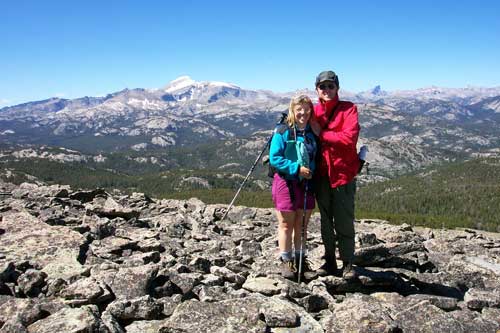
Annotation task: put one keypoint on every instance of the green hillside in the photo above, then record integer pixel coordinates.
(465, 194)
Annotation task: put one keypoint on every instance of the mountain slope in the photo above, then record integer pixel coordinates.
(405, 130)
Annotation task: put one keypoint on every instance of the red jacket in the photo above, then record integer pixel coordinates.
(338, 139)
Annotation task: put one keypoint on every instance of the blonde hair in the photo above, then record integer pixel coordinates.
(301, 99)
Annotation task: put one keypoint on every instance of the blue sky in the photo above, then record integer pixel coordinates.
(87, 48)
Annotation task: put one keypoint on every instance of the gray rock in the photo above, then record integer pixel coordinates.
(136, 309)
(179, 268)
(77, 320)
(24, 311)
(201, 264)
(86, 291)
(425, 317)
(13, 325)
(212, 294)
(110, 324)
(88, 196)
(264, 285)
(55, 249)
(169, 304)
(145, 326)
(212, 280)
(31, 282)
(280, 314)
(238, 315)
(444, 303)
(227, 274)
(478, 299)
(108, 207)
(315, 302)
(472, 321)
(185, 281)
(133, 282)
(359, 313)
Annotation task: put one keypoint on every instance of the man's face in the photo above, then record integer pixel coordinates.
(327, 90)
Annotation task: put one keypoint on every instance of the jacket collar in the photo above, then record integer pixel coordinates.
(329, 105)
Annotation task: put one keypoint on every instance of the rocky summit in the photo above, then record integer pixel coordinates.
(93, 261)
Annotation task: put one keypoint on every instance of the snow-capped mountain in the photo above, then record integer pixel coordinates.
(404, 129)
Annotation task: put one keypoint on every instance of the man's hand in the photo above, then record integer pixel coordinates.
(305, 173)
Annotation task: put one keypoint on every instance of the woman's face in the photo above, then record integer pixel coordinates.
(302, 113)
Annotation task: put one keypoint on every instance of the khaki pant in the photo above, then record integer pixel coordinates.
(336, 206)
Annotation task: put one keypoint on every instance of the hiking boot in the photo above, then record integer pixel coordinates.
(348, 272)
(306, 266)
(328, 268)
(287, 269)
(307, 273)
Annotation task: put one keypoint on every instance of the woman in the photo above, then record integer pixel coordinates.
(292, 155)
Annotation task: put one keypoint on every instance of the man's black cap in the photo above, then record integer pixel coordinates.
(327, 76)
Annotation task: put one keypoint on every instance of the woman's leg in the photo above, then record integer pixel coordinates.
(286, 222)
(297, 228)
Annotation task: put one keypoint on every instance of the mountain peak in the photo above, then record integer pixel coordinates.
(377, 90)
(179, 83)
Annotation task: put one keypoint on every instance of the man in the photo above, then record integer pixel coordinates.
(336, 124)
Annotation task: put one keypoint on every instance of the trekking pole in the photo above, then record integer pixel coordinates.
(280, 121)
(303, 231)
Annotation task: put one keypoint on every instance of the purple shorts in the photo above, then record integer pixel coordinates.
(281, 195)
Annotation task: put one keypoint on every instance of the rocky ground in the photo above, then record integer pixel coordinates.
(91, 261)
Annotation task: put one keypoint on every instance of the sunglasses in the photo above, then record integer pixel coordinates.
(324, 86)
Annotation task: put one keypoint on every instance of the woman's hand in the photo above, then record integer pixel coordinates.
(305, 173)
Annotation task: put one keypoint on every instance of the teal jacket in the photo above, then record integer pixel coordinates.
(286, 161)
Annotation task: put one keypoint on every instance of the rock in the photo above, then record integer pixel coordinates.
(133, 282)
(201, 264)
(110, 324)
(170, 304)
(135, 309)
(145, 326)
(185, 281)
(55, 249)
(86, 291)
(88, 196)
(77, 320)
(31, 282)
(108, 207)
(444, 303)
(264, 285)
(360, 313)
(212, 294)
(227, 274)
(179, 268)
(315, 302)
(472, 321)
(478, 299)
(425, 317)
(24, 311)
(212, 280)
(13, 325)
(238, 315)
(279, 315)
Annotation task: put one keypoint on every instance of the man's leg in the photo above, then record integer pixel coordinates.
(344, 220)
(325, 204)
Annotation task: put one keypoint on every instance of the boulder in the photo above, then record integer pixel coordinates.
(69, 320)
(55, 250)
